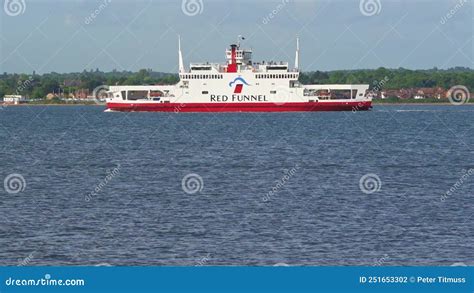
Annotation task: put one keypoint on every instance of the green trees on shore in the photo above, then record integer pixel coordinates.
(38, 86)
(396, 78)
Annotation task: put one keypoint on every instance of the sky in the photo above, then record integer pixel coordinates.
(76, 35)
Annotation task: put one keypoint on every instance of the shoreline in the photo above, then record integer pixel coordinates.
(45, 104)
(373, 104)
(419, 104)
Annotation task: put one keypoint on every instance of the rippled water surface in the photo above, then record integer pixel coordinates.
(296, 188)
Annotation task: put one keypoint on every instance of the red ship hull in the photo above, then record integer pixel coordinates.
(240, 107)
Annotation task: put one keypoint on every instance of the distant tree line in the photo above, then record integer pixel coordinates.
(395, 78)
(38, 86)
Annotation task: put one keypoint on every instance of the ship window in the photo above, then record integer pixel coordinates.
(124, 95)
(137, 95)
(205, 92)
(156, 93)
(273, 92)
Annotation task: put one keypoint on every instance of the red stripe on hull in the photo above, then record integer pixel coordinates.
(240, 107)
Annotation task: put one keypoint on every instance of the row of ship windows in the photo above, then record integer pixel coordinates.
(220, 76)
(272, 76)
(202, 76)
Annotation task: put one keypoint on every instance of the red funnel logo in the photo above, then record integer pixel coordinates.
(239, 84)
(238, 88)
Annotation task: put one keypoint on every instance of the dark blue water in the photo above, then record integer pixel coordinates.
(106, 188)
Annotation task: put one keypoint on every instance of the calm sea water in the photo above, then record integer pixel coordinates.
(346, 188)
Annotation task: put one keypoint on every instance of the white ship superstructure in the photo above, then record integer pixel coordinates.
(239, 85)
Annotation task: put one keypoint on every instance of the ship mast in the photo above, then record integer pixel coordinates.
(297, 55)
(180, 56)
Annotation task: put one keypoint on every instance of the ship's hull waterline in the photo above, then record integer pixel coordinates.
(240, 107)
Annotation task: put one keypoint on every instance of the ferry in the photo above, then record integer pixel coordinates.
(239, 85)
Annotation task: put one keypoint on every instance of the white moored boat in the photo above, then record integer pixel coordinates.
(239, 85)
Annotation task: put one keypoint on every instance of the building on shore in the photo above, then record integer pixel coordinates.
(14, 99)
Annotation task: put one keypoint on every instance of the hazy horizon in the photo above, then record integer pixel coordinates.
(68, 37)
